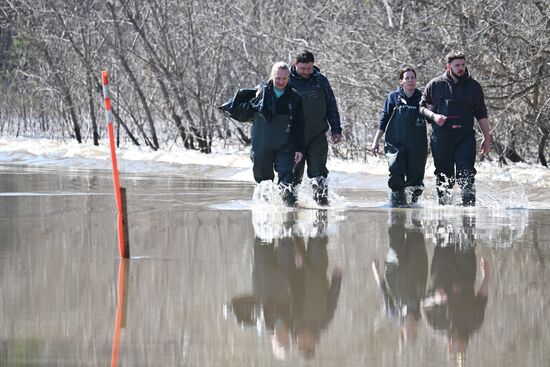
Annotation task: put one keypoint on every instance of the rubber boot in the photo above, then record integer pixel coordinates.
(320, 191)
(415, 195)
(466, 180)
(288, 195)
(468, 197)
(443, 186)
(398, 199)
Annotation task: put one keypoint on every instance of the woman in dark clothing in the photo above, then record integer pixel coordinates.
(406, 143)
(277, 132)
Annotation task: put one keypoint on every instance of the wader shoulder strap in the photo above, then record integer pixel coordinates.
(290, 110)
(442, 92)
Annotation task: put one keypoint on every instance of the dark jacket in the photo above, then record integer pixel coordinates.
(395, 98)
(444, 87)
(318, 80)
(266, 104)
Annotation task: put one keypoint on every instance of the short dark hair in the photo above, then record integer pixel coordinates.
(455, 55)
(304, 56)
(404, 69)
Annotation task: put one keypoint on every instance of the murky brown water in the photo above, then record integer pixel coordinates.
(253, 287)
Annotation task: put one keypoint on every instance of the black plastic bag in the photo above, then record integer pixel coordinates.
(239, 106)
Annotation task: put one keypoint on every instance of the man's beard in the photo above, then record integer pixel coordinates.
(459, 77)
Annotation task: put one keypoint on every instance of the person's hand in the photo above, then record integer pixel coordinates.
(376, 272)
(298, 157)
(375, 149)
(336, 138)
(485, 268)
(485, 146)
(439, 119)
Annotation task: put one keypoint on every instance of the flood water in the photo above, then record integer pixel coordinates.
(215, 281)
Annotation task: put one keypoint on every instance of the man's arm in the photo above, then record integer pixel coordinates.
(480, 112)
(375, 148)
(427, 105)
(486, 142)
(333, 116)
(298, 123)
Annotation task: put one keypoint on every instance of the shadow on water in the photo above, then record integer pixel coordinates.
(457, 286)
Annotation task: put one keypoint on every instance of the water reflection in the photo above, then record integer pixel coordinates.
(122, 307)
(292, 299)
(402, 284)
(452, 308)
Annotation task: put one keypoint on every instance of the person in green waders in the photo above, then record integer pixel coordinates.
(451, 101)
(320, 112)
(405, 142)
(277, 131)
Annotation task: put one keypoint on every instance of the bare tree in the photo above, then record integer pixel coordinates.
(172, 63)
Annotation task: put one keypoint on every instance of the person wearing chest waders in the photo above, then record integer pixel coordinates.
(405, 142)
(277, 131)
(320, 111)
(451, 101)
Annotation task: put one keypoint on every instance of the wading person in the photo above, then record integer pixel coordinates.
(320, 111)
(406, 142)
(277, 131)
(451, 101)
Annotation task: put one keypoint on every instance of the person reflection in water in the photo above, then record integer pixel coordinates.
(292, 298)
(402, 284)
(451, 305)
(314, 297)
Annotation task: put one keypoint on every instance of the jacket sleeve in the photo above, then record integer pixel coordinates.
(480, 110)
(389, 105)
(298, 122)
(426, 101)
(333, 116)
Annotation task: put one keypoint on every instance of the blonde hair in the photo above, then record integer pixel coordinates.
(279, 65)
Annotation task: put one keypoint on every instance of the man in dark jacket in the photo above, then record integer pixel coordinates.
(319, 108)
(451, 101)
(277, 132)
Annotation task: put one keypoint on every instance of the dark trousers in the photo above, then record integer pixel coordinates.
(267, 159)
(315, 156)
(450, 151)
(406, 166)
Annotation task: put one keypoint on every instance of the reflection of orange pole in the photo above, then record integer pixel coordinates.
(122, 245)
(119, 311)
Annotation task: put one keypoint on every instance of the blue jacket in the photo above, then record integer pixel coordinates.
(393, 100)
(318, 79)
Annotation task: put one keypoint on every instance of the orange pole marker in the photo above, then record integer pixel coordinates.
(122, 245)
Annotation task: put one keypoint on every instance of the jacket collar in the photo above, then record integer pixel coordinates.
(294, 74)
(466, 77)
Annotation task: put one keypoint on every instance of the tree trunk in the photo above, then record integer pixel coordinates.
(542, 147)
(91, 105)
(124, 62)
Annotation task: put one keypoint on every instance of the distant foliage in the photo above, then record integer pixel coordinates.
(173, 62)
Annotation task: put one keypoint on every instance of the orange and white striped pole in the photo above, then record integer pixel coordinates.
(120, 192)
